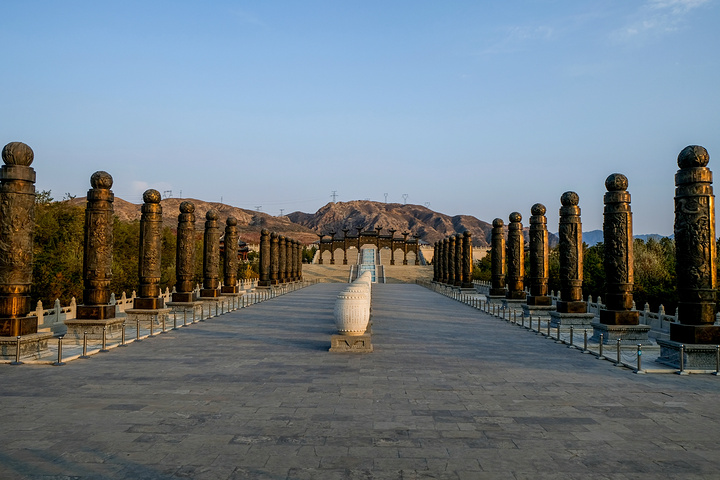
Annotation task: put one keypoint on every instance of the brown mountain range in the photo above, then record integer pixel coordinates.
(431, 226)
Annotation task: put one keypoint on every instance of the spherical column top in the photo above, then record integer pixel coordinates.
(690, 157)
(264, 231)
(538, 209)
(570, 199)
(101, 179)
(231, 221)
(17, 153)
(515, 217)
(151, 196)
(212, 214)
(498, 222)
(187, 207)
(616, 182)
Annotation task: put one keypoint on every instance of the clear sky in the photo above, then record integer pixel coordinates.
(473, 107)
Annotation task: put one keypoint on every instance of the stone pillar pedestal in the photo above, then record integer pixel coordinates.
(185, 312)
(576, 320)
(31, 345)
(208, 293)
(695, 356)
(94, 327)
(628, 334)
(155, 315)
(540, 301)
(351, 344)
(513, 303)
(230, 290)
(538, 311)
(495, 298)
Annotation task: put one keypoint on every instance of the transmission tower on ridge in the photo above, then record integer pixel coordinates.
(404, 195)
(334, 195)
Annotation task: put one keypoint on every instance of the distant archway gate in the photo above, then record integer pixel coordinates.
(373, 237)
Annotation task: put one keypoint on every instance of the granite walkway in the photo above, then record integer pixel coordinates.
(449, 393)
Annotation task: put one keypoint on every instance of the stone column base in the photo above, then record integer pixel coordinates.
(628, 334)
(12, 327)
(695, 334)
(31, 345)
(575, 320)
(147, 315)
(468, 291)
(228, 290)
(514, 303)
(185, 312)
(696, 356)
(78, 326)
(183, 297)
(538, 311)
(495, 298)
(351, 344)
(206, 293)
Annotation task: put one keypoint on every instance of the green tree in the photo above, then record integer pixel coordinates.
(482, 268)
(593, 270)
(57, 251)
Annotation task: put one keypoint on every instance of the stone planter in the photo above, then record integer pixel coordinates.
(352, 312)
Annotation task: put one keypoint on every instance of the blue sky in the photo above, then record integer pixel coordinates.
(473, 107)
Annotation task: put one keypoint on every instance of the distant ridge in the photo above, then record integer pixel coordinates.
(593, 237)
(429, 225)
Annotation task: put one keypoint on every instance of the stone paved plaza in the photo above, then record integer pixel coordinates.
(449, 392)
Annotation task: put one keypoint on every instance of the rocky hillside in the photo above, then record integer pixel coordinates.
(431, 226)
(418, 220)
(249, 222)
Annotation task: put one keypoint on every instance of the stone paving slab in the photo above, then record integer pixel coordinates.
(449, 393)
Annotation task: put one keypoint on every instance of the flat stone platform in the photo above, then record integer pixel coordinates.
(448, 393)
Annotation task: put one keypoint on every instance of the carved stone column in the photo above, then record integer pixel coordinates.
(290, 259)
(435, 262)
(332, 248)
(571, 256)
(618, 261)
(264, 280)
(17, 223)
(299, 261)
(185, 255)
(345, 245)
(230, 264)
(211, 256)
(458, 260)
(515, 258)
(392, 246)
(417, 249)
(451, 260)
(445, 247)
(695, 251)
(274, 259)
(539, 261)
(467, 260)
(497, 258)
(294, 257)
(282, 272)
(320, 248)
(150, 253)
(97, 259)
(405, 235)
